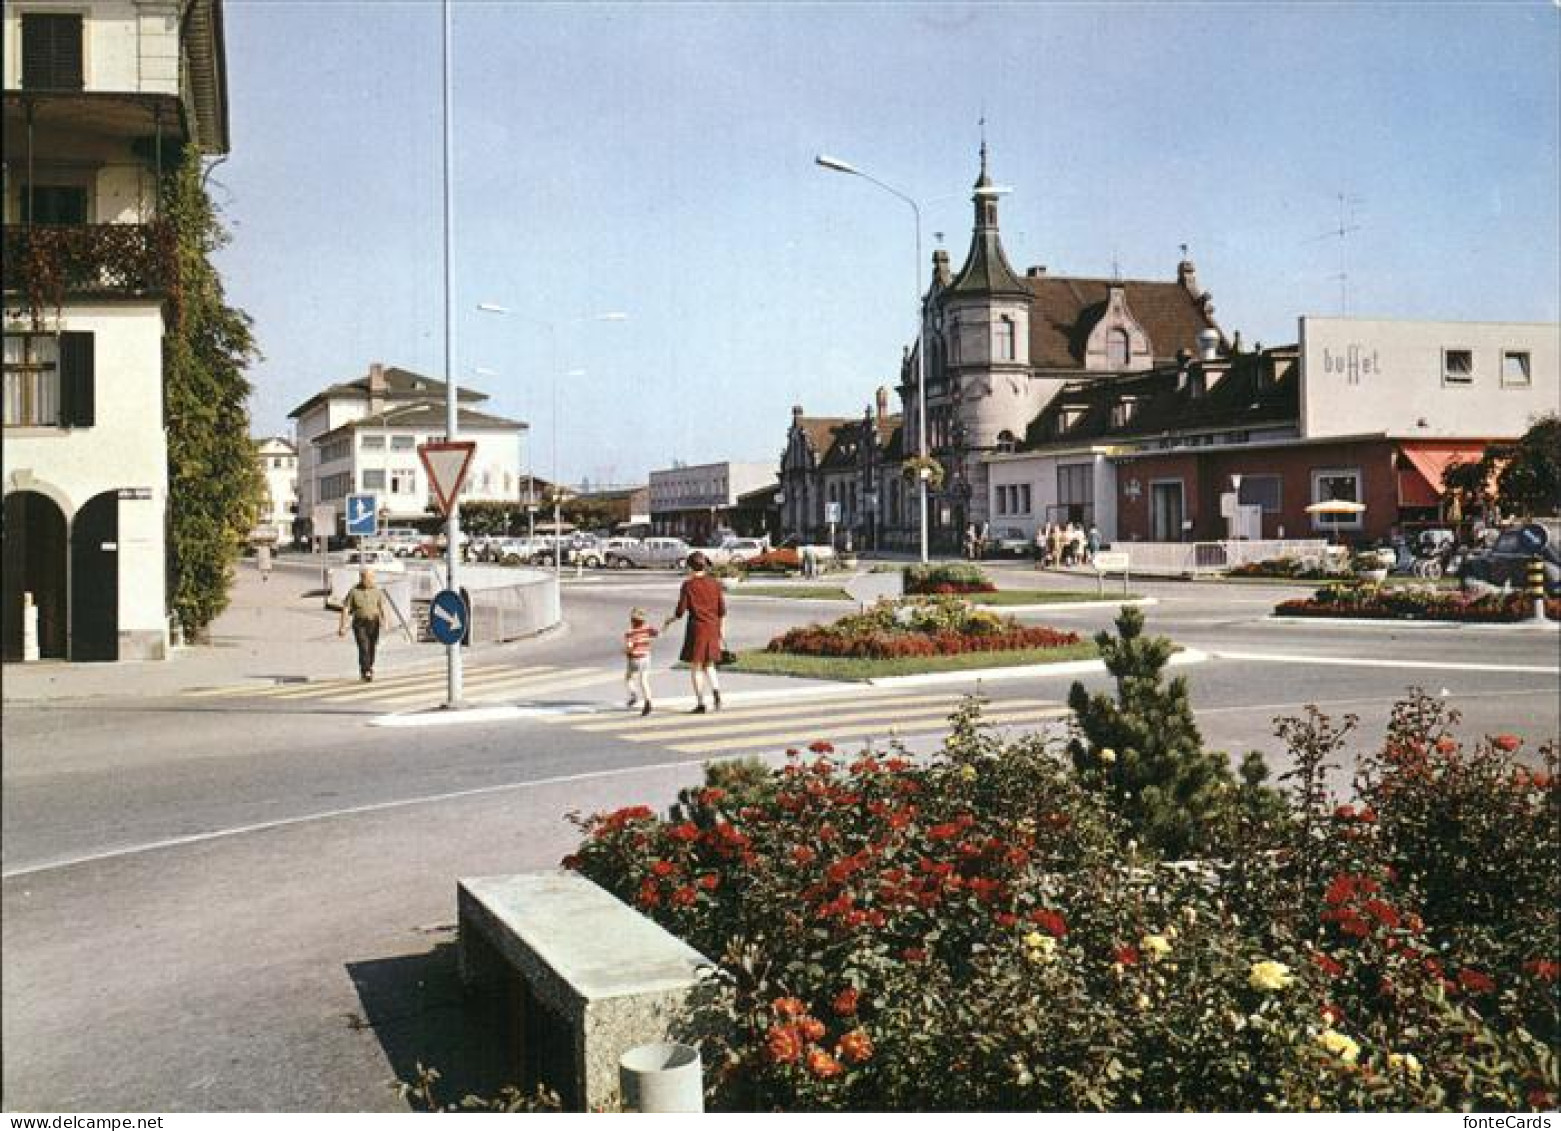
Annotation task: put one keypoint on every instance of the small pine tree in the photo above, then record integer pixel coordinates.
(1143, 748)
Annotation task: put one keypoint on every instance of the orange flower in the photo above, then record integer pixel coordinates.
(846, 1001)
(822, 1065)
(811, 1028)
(856, 1046)
(1506, 742)
(784, 1044)
(788, 1007)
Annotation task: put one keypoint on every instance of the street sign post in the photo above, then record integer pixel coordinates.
(362, 516)
(448, 617)
(447, 464)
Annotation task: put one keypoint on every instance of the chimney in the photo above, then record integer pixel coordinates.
(883, 402)
(1187, 276)
(940, 267)
(796, 414)
(1235, 343)
(1209, 344)
(376, 388)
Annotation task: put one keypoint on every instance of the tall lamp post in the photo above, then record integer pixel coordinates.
(838, 166)
(552, 338)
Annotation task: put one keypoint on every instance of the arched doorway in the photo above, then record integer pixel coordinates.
(34, 562)
(94, 579)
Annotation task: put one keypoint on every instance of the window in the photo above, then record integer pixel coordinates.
(1117, 349)
(335, 486)
(403, 481)
(1457, 367)
(374, 479)
(1514, 368)
(339, 448)
(374, 443)
(1024, 498)
(403, 443)
(49, 380)
(54, 204)
(1006, 346)
(1122, 412)
(51, 51)
(1332, 483)
(1260, 490)
(1075, 484)
(1006, 442)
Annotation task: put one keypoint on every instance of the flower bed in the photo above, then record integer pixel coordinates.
(1294, 569)
(982, 932)
(947, 580)
(925, 627)
(1415, 603)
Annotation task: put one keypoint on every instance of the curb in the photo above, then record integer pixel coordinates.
(1064, 606)
(1070, 667)
(1385, 622)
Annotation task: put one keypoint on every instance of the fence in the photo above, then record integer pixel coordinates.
(1189, 559)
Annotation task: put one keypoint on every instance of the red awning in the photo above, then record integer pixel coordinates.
(1420, 483)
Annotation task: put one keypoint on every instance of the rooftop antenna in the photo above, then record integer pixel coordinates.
(1116, 269)
(1346, 225)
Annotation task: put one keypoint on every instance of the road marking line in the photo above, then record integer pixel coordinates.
(1351, 662)
(496, 690)
(686, 726)
(682, 718)
(312, 688)
(367, 692)
(889, 728)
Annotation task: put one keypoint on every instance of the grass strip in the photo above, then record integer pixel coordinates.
(794, 592)
(759, 662)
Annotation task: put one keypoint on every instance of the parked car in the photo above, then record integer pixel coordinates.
(399, 540)
(1010, 542)
(652, 553)
(585, 550)
(739, 550)
(380, 561)
(1505, 563)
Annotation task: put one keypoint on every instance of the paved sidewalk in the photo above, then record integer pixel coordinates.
(272, 631)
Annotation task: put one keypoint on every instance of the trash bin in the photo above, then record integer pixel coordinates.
(661, 1078)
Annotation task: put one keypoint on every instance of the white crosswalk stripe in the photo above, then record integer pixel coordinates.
(492, 684)
(794, 724)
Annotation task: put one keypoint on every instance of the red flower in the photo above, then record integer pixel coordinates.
(914, 954)
(648, 896)
(687, 832)
(856, 1046)
(1447, 744)
(1050, 922)
(1005, 919)
(811, 1028)
(711, 796)
(947, 831)
(784, 1044)
(788, 1007)
(1476, 982)
(822, 1065)
(710, 881)
(1126, 955)
(683, 897)
(1382, 912)
(804, 855)
(846, 1001)
(1327, 964)
(1544, 969)
(662, 868)
(1506, 742)
(821, 747)
(1541, 1099)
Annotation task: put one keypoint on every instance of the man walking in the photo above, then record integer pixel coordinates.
(365, 606)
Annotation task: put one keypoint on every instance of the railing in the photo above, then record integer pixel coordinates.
(44, 263)
(1189, 559)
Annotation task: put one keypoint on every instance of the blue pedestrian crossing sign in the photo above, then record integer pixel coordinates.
(447, 617)
(361, 516)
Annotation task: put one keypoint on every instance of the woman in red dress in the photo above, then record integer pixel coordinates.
(703, 600)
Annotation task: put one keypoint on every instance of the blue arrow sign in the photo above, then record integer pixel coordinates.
(447, 617)
(361, 516)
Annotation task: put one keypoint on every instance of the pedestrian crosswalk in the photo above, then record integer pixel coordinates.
(776, 725)
(496, 683)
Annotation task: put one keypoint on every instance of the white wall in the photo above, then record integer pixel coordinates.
(127, 45)
(1040, 472)
(125, 447)
(1362, 375)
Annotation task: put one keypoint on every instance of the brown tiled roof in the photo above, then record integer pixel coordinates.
(1244, 397)
(820, 431)
(420, 415)
(1065, 310)
(400, 385)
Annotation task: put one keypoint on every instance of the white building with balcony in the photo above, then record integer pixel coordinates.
(100, 97)
(278, 461)
(362, 436)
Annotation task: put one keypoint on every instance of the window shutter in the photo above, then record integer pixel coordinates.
(51, 51)
(77, 380)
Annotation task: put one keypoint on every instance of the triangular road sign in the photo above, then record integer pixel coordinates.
(447, 464)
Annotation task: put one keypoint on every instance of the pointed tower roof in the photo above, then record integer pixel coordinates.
(986, 269)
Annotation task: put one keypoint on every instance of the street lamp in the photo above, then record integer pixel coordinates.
(834, 164)
(552, 336)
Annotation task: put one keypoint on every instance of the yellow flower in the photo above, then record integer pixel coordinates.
(1144, 1002)
(967, 773)
(1155, 946)
(1108, 755)
(1268, 975)
(1042, 947)
(1340, 1045)
(1406, 1061)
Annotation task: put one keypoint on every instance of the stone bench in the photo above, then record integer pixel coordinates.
(587, 978)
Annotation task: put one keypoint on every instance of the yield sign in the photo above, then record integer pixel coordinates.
(447, 464)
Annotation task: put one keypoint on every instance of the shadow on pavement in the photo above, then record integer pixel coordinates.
(421, 1015)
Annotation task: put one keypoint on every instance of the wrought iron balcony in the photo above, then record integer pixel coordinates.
(44, 264)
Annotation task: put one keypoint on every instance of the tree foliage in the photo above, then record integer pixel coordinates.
(1521, 479)
(215, 487)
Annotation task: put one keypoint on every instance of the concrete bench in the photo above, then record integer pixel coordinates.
(587, 976)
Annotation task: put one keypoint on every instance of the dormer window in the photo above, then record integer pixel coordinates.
(1122, 412)
(1006, 441)
(1117, 349)
(1068, 418)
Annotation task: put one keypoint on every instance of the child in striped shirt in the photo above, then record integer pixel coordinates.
(636, 651)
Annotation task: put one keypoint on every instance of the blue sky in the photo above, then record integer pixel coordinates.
(657, 159)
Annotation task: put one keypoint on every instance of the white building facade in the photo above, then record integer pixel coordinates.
(694, 501)
(362, 437)
(99, 96)
(278, 461)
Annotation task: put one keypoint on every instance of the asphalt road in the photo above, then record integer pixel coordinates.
(236, 900)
